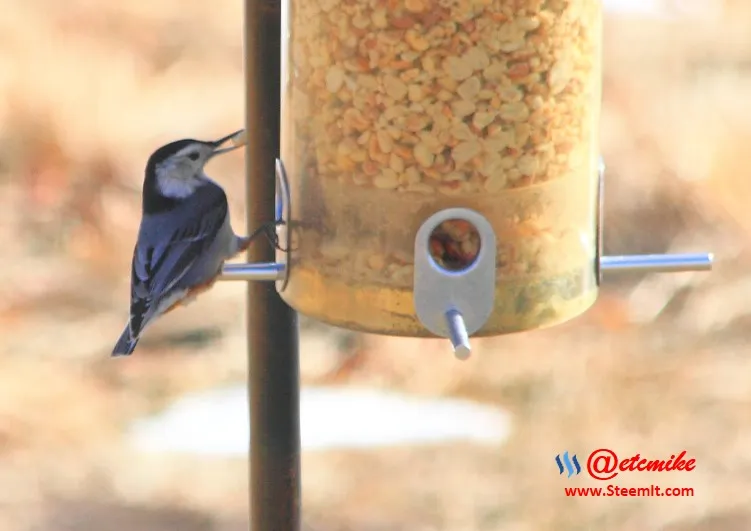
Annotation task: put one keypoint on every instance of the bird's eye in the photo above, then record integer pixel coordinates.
(194, 156)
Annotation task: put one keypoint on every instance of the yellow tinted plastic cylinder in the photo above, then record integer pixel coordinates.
(395, 109)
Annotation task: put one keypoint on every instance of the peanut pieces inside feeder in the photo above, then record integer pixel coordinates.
(240, 139)
(395, 109)
(454, 244)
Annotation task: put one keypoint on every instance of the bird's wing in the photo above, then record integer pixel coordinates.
(159, 265)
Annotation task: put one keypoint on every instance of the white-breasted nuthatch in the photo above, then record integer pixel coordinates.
(185, 234)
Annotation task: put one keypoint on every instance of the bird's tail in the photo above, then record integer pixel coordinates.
(126, 344)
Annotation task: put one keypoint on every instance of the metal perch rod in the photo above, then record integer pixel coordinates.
(637, 263)
(270, 271)
(657, 263)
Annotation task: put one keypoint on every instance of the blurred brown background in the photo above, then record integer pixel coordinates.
(89, 89)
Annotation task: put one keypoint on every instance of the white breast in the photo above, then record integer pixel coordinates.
(178, 178)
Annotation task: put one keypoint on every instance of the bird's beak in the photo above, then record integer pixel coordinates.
(238, 140)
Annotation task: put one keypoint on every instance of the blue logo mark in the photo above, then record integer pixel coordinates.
(567, 462)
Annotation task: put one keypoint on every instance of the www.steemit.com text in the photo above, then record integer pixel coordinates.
(613, 490)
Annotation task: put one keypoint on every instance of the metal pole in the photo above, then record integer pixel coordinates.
(273, 358)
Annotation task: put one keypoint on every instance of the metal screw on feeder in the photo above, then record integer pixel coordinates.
(443, 180)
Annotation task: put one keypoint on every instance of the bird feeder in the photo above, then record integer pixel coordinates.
(440, 173)
(439, 176)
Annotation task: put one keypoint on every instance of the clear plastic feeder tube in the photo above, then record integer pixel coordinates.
(395, 109)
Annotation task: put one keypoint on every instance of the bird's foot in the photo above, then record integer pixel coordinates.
(268, 230)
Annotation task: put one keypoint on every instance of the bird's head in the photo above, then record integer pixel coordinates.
(175, 170)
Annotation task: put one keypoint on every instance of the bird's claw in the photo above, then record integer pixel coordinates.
(272, 236)
(268, 229)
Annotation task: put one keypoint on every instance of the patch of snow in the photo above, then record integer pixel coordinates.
(215, 422)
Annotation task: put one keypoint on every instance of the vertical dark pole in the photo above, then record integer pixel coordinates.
(273, 364)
